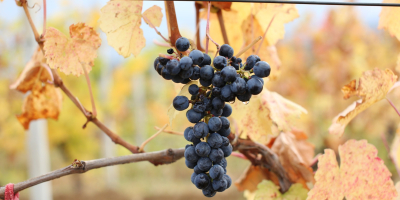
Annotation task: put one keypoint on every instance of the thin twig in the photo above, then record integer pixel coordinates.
(28, 15)
(169, 131)
(393, 106)
(152, 26)
(165, 56)
(152, 137)
(198, 42)
(315, 159)
(44, 18)
(156, 42)
(162, 157)
(394, 161)
(264, 36)
(238, 155)
(248, 46)
(208, 25)
(90, 91)
(222, 26)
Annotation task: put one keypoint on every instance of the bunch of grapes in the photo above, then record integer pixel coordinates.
(223, 81)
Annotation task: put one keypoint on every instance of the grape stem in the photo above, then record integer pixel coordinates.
(222, 26)
(169, 131)
(208, 26)
(152, 137)
(265, 33)
(44, 18)
(90, 91)
(248, 46)
(152, 26)
(393, 106)
(165, 56)
(161, 44)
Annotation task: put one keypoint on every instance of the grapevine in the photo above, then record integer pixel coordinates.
(222, 80)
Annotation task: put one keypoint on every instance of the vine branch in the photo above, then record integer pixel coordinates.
(152, 26)
(222, 26)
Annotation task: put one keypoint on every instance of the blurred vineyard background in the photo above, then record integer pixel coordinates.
(324, 49)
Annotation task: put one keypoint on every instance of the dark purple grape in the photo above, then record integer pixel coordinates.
(226, 51)
(262, 69)
(228, 74)
(193, 89)
(197, 57)
(251, 61)
(185, 63)
(180, 103)
(182, 44)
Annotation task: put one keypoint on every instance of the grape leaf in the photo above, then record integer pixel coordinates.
(121, 21)
(43, 102)
(154, 14)
(372, 87)
(295, 155)
(362, 175)
(389, 19)
(172, 113)
(252, 176)
(70, 55)
(267, 190)
(266, 115)
(275, 16)
(31, 72)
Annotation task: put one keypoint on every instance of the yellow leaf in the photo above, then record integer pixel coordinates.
(33, 69)
(362, 175)
(266, 115)
(154, 14)
(172, 113)
(121, 20)
(389, 19)
(43, 102)
(70, 55)
(372, 87)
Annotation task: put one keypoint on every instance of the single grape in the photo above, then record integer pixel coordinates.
(209, 191)
(205, 83)
(227, 110)
(193, 116)
(225, 141)
(244, 97)
(238, 60)
(214, 124)
(190, 154)
(217, 103)
(173, 67)
(238, 86)
(170, 51)
(196, 73)
(185, 63)
(220, 62)
(199, 107)
(163, 60)
(223, 162)
(206, 72)
(219, 184)
(228, 181)
(258, 78)
(214, 140)
(190, 165)
(203, 149)
(193, 89)
(226, 93)
(226, 51)
(216, 91)
(193, 177)
(197, 170)
(204, 163)
(224, 132)
(217, 80)
(197, 57)
(254, 86)
(225, 122)
(186, 74)
(217, 172)
(207, 102)
(228, 74)
(216, 155)
(251, 61)
(200, 130)
(165, 74)
(262, 69)
(216, 112)
(186, 134)
(177, 79)
(180, 103)
(202, 181)
(182, 44)
(227, 150)
(206, 61)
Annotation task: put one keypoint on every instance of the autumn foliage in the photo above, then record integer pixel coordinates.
(320, 112)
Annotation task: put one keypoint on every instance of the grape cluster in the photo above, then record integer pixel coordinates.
(222, 80)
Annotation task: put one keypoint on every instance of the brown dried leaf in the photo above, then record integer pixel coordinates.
(43, 102)
(372, 87)
(252, 176)
(30, 74)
